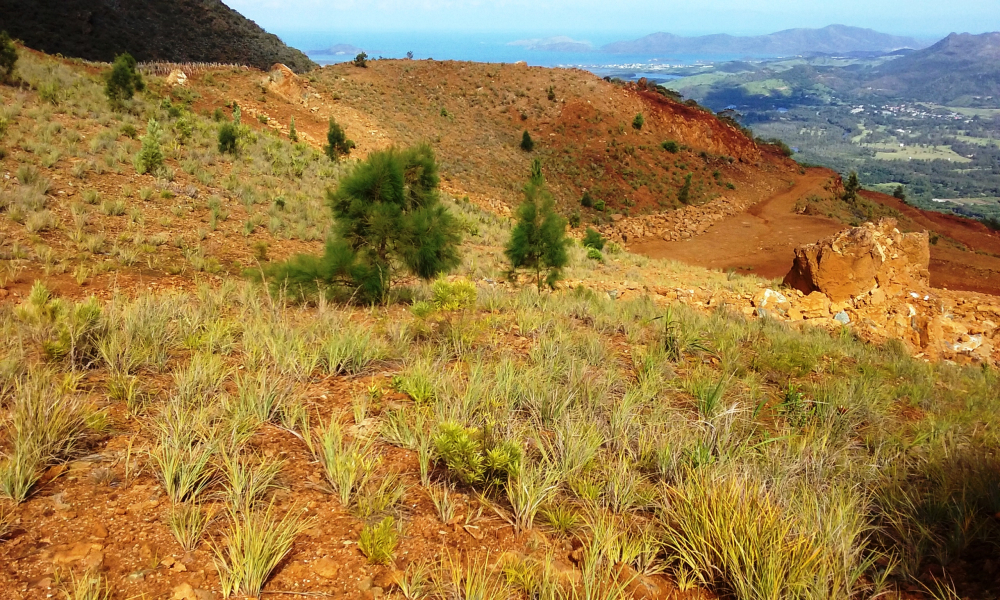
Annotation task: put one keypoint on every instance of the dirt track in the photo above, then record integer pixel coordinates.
(761, 240)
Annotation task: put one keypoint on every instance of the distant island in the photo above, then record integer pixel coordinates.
(337, 50)
(833, 39)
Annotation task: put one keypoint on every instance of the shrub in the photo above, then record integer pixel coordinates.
(587, 201)
(459, 295)
(228, 138)
(574, 219)
(337, 143)
(123, 81)
(599, 205)
(361, 60)
(388, 216)
(671, 146)
(638, 122)
(471, 460)
(527, 144)
(8, 56)
(150, 157)
(684, 194)
(593, 239)
(378, 542)
(292, 133)
(594, 254)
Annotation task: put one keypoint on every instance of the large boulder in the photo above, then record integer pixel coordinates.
(861, 260)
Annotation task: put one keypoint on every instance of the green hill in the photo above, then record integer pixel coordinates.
(151, 30)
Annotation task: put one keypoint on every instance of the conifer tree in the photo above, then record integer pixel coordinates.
(337, 143)
(851, 188)
(388, 218)
(527, 144)
(150, 158)
(123, 80)
(538, 241)
(292, 133)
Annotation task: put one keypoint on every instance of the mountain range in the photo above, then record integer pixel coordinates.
(150, 30)
(831, 39)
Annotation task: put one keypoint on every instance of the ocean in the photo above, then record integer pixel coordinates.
(489, 47)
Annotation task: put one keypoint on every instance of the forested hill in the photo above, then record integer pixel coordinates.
(959, 66)
(150, 30)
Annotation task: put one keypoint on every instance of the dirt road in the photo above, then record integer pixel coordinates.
(761, 240)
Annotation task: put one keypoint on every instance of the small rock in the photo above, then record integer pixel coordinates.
(100, 531)
(842, 317)
(326, 567)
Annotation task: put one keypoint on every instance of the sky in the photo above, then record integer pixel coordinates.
(609, 20)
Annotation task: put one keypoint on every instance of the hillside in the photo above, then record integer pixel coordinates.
(833, 39)
(150, 30)
(954, 69)
(168, 419)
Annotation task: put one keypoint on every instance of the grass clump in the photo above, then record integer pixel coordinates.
(256, 542)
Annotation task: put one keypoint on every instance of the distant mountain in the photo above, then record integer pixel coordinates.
(961, 65)
(555, 44)
(150, 30)
(833, 39)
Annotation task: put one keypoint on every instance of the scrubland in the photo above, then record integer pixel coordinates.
(471, 439)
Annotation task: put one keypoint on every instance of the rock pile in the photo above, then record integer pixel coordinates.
(867, 260)
(876, 279)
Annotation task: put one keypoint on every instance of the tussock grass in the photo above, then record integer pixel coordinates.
(187, 523)
(348, 464)
(255, 543)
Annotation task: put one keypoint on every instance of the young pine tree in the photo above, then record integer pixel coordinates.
(538, 241)
(337, 143)
(527, 144)
(150, 158)
(388, 218)
(292, 133)
(851, 188)
(123, 80)
(8, 57)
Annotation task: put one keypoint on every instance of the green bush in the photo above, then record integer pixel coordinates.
(228, 138)
(599, 205)
(388, 217)
(361, 60)
(587, 201)
(671, 146)
(594, 254)
(684, 194)
(574, 219)
(292, 133)
(471, 460)
(638, 122)
(337, 143)
(123, 81)
(8, 56)
(150, 158)
(538, 241)
(458, 295)
(593, 239)
(527, 144)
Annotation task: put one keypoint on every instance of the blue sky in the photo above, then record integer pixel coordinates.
(608, 20)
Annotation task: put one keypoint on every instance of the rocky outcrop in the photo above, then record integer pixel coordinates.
(862, 260)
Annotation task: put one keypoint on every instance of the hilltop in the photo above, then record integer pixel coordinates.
(832, 39)
(954, 69)
(151, 30)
